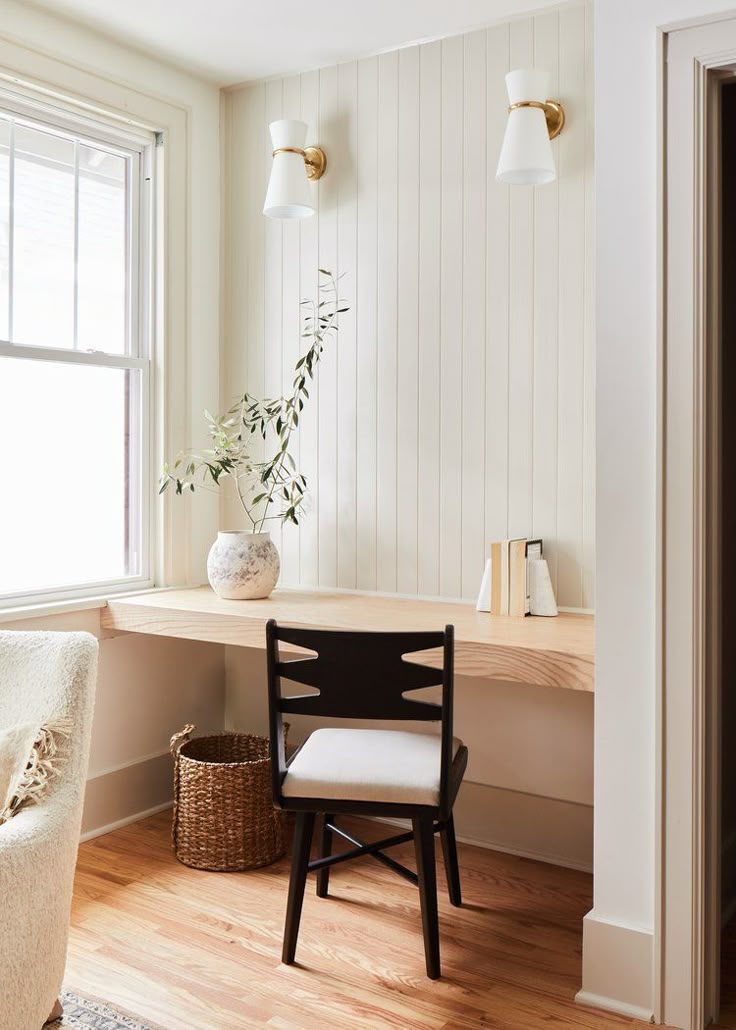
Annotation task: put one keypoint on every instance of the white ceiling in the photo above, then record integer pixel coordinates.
(231, 41)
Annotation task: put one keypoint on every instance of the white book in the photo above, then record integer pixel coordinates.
(484, 596)
(533, 553)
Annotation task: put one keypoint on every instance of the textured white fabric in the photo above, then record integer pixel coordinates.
(368, 765)
(16, 744)
(43, 677)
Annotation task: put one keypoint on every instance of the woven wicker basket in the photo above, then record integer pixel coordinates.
(224, 819)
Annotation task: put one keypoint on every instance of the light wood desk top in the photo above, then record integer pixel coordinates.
(554, 652)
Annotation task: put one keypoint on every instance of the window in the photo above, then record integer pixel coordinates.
(75, 269)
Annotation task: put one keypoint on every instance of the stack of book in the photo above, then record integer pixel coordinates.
(505, 586)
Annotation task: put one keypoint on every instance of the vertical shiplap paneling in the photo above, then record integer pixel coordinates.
(498, 214)
(521, 323)
(546, 292)
(571, 170)
(430, 294)
(474, 311)
(589, 333)
(459, 405)
(273, 287)
(330, 139)
(291, 330)
(347, 168)
(309, 421)
(407, 541)
(239, 207)
(388, 217)
(451, 319)
(366, 306)
(257, 121)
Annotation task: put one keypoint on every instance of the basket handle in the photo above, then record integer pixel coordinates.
(181, 738)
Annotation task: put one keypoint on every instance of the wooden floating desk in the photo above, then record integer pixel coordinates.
(551, 652)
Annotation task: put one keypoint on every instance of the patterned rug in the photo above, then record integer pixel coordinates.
(82, 1011)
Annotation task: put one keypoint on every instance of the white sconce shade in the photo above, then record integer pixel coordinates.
(526, 155)
(288, 193)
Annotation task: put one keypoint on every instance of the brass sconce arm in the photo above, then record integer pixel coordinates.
(315, 159)
(553, 112)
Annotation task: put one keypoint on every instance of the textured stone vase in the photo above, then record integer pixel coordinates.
(243, 565)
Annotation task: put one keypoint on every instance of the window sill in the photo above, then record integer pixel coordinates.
(20, 613)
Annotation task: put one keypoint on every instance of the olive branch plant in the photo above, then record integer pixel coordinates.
(271, 487)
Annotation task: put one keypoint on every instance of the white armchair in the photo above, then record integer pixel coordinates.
(43, 676)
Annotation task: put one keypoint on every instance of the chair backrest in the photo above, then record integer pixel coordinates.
(359, 675)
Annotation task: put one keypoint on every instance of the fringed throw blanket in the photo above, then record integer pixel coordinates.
(30, 757)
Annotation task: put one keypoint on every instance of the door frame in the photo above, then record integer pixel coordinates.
(693, 57)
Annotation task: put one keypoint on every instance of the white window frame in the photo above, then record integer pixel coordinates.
(123, 139)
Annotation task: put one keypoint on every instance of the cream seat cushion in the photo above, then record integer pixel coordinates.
(391, 766)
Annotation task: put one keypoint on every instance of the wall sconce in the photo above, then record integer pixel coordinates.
(294, 165)
(526, 155)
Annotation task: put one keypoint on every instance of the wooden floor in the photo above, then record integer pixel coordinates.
(200, 951)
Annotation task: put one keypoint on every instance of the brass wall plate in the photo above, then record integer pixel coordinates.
(555, 115)
(315, 160)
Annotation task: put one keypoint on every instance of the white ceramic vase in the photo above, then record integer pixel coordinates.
(242, 565)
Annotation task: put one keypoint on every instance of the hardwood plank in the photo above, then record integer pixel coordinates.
(201, 950)
(548, 652)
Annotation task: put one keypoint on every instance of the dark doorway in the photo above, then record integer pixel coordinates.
(727, 721)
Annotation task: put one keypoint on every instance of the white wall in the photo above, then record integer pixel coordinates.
(457, 406)
(626, 119)
(147, 688)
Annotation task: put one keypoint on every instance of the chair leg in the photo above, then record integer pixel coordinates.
(424, 848)
(323, 875)
(56, 1013)
(297, 881)
(452, 871)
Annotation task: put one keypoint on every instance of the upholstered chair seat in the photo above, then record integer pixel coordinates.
(368, 765)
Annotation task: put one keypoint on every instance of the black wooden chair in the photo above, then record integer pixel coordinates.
(391, 773)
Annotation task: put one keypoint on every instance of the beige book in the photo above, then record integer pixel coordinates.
(517, 577)
(496, 578)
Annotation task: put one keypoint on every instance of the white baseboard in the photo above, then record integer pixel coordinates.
(595, 1001)
(617, 968)
(136, 817)
(128, 792)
